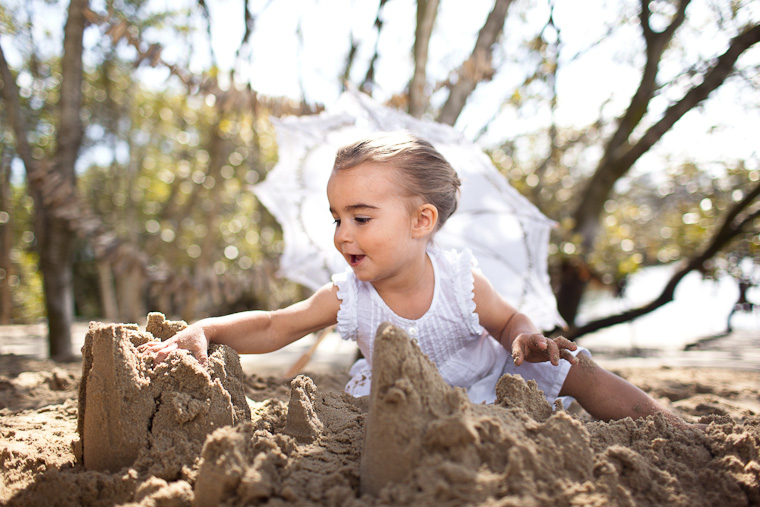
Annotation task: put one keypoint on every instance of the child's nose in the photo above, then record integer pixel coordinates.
(342, 234)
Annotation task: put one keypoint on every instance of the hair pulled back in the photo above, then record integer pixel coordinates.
(426, 173)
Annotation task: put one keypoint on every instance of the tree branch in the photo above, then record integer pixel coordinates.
(70, 129)
(615, 165)
(478, 67)
(713, 79)
(426, 14)
(369, 77)
(349, 63)
(656, 42)
(207, 15)
(16, 117)
(727, 232)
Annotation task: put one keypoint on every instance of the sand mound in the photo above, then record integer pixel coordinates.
(426, 443)
(413, 441)
(132, 414)
(30, 384)
(315, 459)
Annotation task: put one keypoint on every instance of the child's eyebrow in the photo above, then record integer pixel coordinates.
(354, 207)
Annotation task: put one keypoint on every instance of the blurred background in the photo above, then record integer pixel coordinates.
(131, 133)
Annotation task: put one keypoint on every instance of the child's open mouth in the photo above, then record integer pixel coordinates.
(355, 259)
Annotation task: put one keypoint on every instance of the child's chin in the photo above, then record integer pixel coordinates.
(362, 277)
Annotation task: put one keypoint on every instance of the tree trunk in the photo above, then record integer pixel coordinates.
(6, 240)
(130, 283)
(52, 184)
(574, 278)
(55, 243)
(107, 291)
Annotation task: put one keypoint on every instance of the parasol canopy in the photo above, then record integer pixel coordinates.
(507, 234)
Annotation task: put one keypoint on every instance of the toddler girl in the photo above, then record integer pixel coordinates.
(389, 194)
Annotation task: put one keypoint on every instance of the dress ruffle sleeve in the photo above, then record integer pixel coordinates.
(463, 262)
(347, 314)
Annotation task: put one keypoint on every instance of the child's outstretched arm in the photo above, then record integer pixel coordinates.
(253, 332)
(515, 330)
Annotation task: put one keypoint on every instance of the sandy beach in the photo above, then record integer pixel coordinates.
(242, 433)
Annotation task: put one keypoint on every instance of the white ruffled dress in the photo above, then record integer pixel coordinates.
(449, 333)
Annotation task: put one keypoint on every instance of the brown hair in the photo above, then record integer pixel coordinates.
(426, 172)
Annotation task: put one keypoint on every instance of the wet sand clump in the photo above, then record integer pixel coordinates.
(132, 414)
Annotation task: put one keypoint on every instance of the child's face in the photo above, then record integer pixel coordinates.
(374, 224)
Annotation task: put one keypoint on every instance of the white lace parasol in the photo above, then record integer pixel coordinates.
(506, 233)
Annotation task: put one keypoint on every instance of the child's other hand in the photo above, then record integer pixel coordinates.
(536, 348)
(191, 339)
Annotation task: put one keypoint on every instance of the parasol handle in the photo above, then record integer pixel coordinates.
(306, 357)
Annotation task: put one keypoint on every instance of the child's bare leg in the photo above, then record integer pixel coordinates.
(606, 396)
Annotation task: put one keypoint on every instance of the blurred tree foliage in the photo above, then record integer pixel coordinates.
(24, 297)
(180, 192)
(165, 169)
(651, 220)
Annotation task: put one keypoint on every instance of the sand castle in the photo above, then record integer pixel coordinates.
(132, 414)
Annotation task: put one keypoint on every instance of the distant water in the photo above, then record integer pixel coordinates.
(700, 309)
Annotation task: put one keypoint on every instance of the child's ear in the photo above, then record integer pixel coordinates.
(425, 221)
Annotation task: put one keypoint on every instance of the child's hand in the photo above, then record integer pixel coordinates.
(536, 348)
(190, 338)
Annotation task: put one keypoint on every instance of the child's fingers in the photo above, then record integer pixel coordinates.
(159, 350)
(564, 343)
(517, 352)
(163, 352)
(567, 356)
(560, 348)
(552, 350)
(520, 348)
(565, 346)
(148, 347)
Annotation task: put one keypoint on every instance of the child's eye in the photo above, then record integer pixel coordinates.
(362, 220)
(336, 221)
